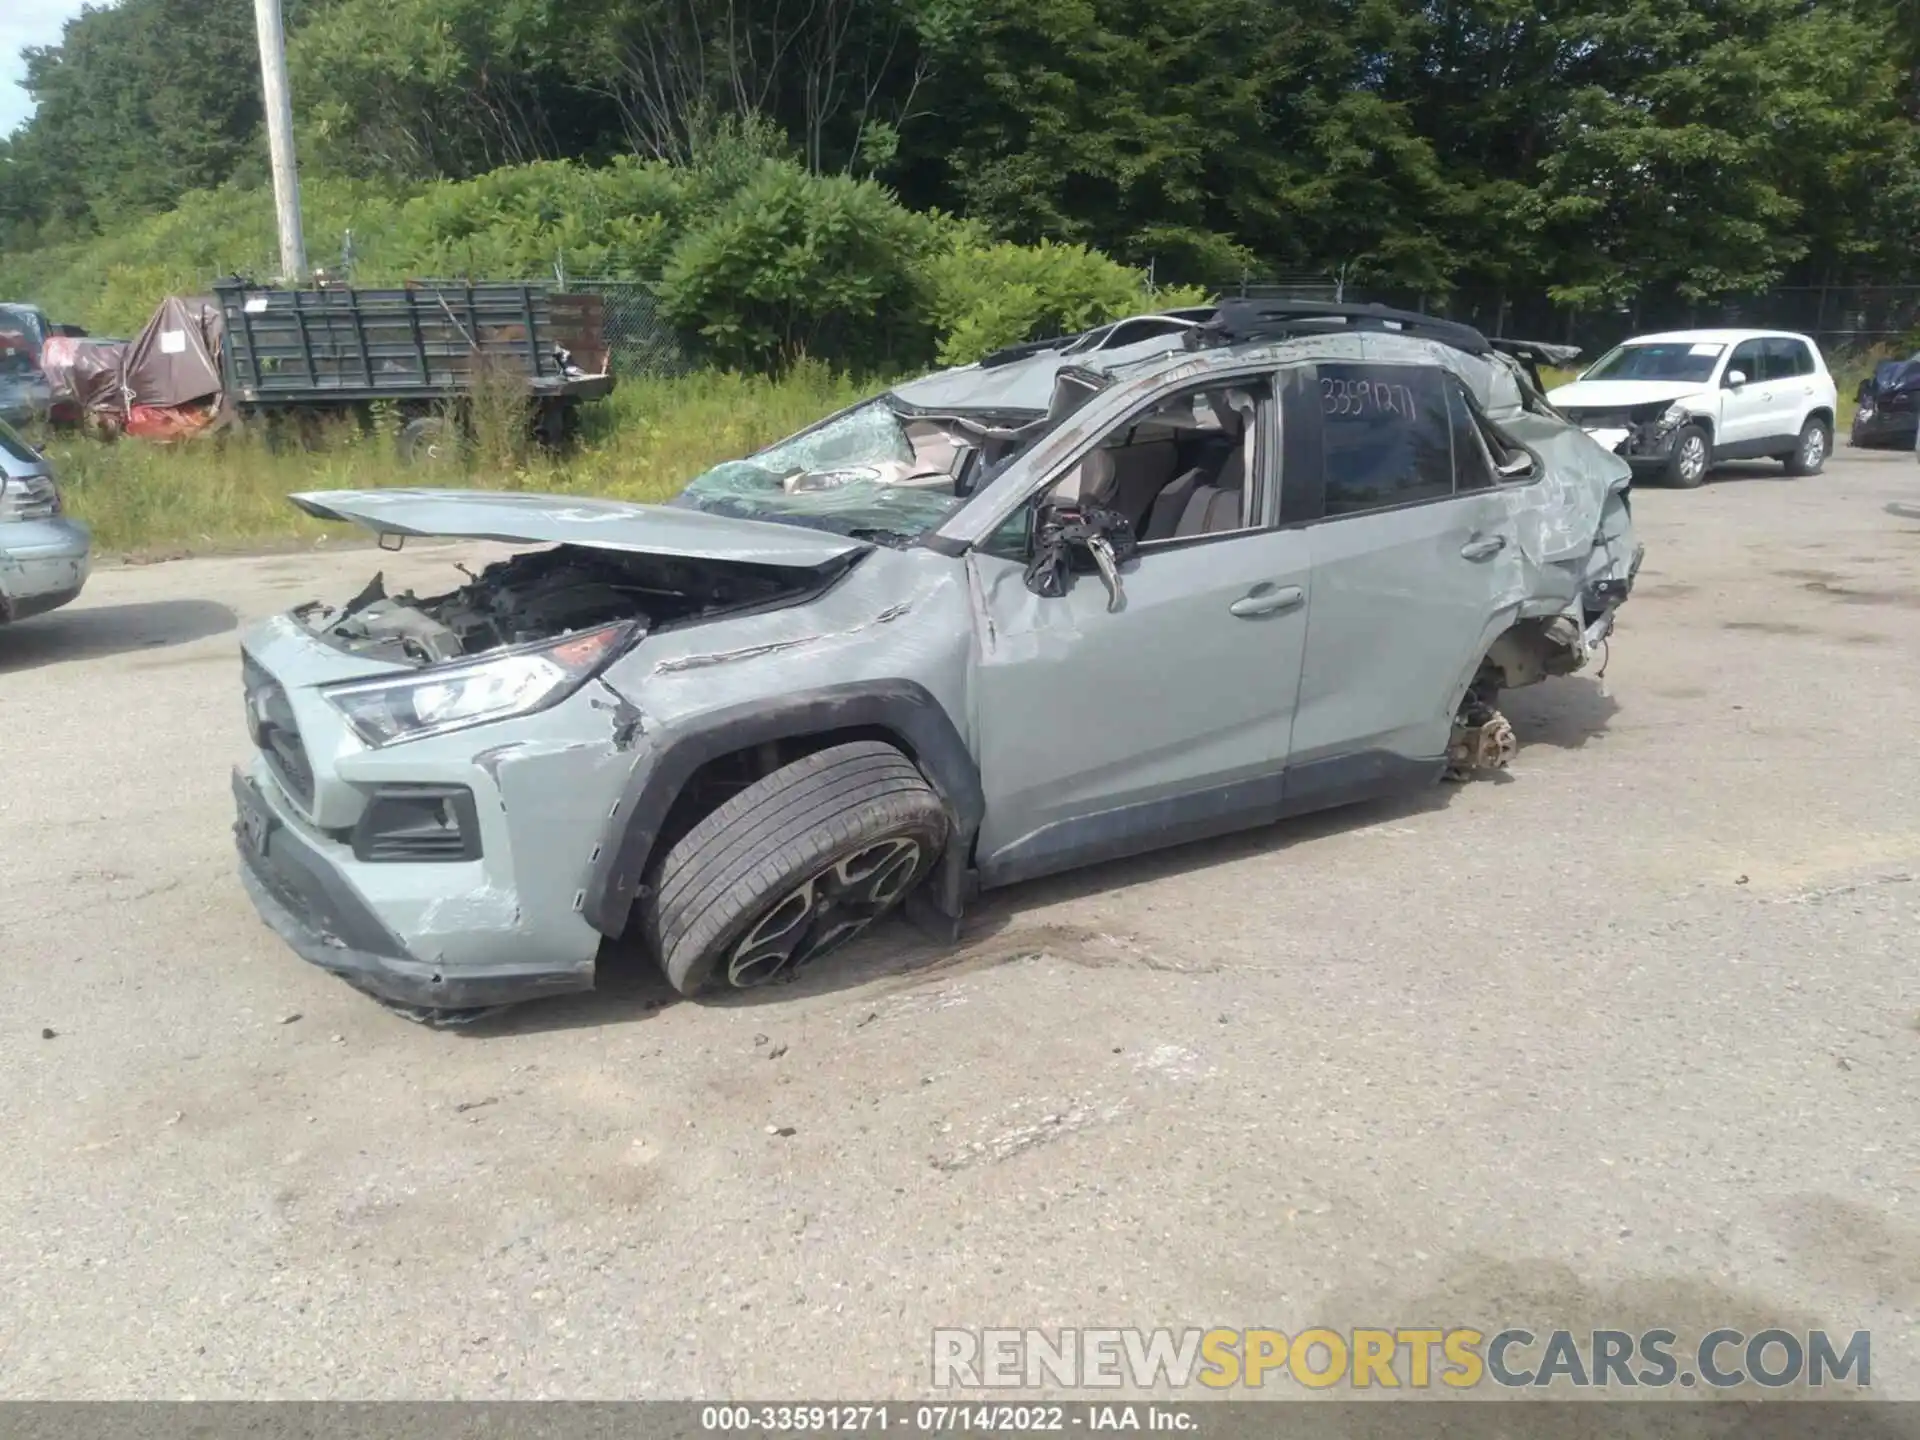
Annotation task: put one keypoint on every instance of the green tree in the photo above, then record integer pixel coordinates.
(140, 103)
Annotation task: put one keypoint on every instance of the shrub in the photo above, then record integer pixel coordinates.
(514, 223)
(763, 262)
(797, 264)
(981, 296)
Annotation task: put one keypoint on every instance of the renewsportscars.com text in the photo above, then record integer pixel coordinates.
(1409, 1358)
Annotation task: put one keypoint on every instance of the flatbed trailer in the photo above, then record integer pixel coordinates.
(421, 348)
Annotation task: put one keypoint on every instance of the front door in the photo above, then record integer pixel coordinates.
(1105, 731)
(1747, 410)
(1414, 562)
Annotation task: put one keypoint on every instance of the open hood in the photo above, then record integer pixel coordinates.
(1542, 351)
(1620, 394)
(1890, 376)
(519, 519)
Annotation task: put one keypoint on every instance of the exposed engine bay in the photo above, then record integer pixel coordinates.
(543, 594)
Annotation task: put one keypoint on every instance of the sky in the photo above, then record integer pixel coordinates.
(25, 22)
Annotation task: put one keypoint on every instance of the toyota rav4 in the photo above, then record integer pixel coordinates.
(1176, 576)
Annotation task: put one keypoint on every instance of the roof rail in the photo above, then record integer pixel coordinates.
(1239, 321)
(1020, 350)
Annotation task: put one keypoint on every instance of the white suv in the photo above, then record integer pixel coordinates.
(1676, 404)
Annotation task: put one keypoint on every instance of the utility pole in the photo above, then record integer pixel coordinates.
(279, 106)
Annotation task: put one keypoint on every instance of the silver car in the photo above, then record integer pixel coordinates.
(1177, 576)
(44, 555)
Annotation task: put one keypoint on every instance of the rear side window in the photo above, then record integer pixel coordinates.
(1780, 359)
(1388, 438)
(1472, 461)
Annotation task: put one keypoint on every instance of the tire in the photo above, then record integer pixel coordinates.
(428, 440)
(1810, 452)
(1690, 458)
(792, 867)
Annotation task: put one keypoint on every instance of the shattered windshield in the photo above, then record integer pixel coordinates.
(1684, 361)
(871, 474)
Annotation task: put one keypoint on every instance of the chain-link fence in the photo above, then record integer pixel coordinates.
(1842, 319)
(640, 339)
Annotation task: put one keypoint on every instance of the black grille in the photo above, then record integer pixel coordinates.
(1599, 419)
(270, 722)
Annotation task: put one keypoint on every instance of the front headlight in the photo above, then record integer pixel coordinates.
(449, 697)
(1674, 414)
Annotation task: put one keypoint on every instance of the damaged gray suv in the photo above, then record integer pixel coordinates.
(1180, 575)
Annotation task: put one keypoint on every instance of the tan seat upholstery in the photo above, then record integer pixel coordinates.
(1123, 478)
(1208, 511)
(1140, 472)
(1091, 478)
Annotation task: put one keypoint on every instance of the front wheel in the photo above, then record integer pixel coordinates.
(793, 867)
(1810, 454)
(1689, 459)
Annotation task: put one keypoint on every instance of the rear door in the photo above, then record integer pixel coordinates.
(1414, 553)
(1794, 383)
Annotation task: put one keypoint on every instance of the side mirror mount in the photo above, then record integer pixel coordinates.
(1519, 467)
(1065, 530)
(1735, 379)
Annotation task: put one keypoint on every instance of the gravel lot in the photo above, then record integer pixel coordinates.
(1629, 1038)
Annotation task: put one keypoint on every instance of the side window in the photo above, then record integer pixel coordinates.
(1783, 359)
(1388, 439)
(1013, 539)
(1748, 360)
(1802, 358)
(1188, 464)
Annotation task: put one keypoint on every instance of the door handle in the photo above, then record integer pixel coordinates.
(1267, 600)
(1483, 548)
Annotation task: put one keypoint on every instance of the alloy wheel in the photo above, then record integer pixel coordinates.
(1693, 458)
(824, 911)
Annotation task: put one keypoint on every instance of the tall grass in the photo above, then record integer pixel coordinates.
(228, 493)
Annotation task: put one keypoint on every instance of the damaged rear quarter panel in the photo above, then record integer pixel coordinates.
(1572, 523)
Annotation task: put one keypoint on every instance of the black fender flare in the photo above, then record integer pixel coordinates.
(905, 709)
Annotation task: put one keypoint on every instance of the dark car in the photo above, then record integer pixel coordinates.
(1887, 416)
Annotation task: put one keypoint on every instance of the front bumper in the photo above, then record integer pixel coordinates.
(43, 565)
(432, 936)
(1887, 429)
(1645, 446)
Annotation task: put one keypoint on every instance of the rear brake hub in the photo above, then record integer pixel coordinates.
(1487, 743)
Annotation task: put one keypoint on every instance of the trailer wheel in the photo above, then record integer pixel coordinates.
(554, 426)
(428, 440)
